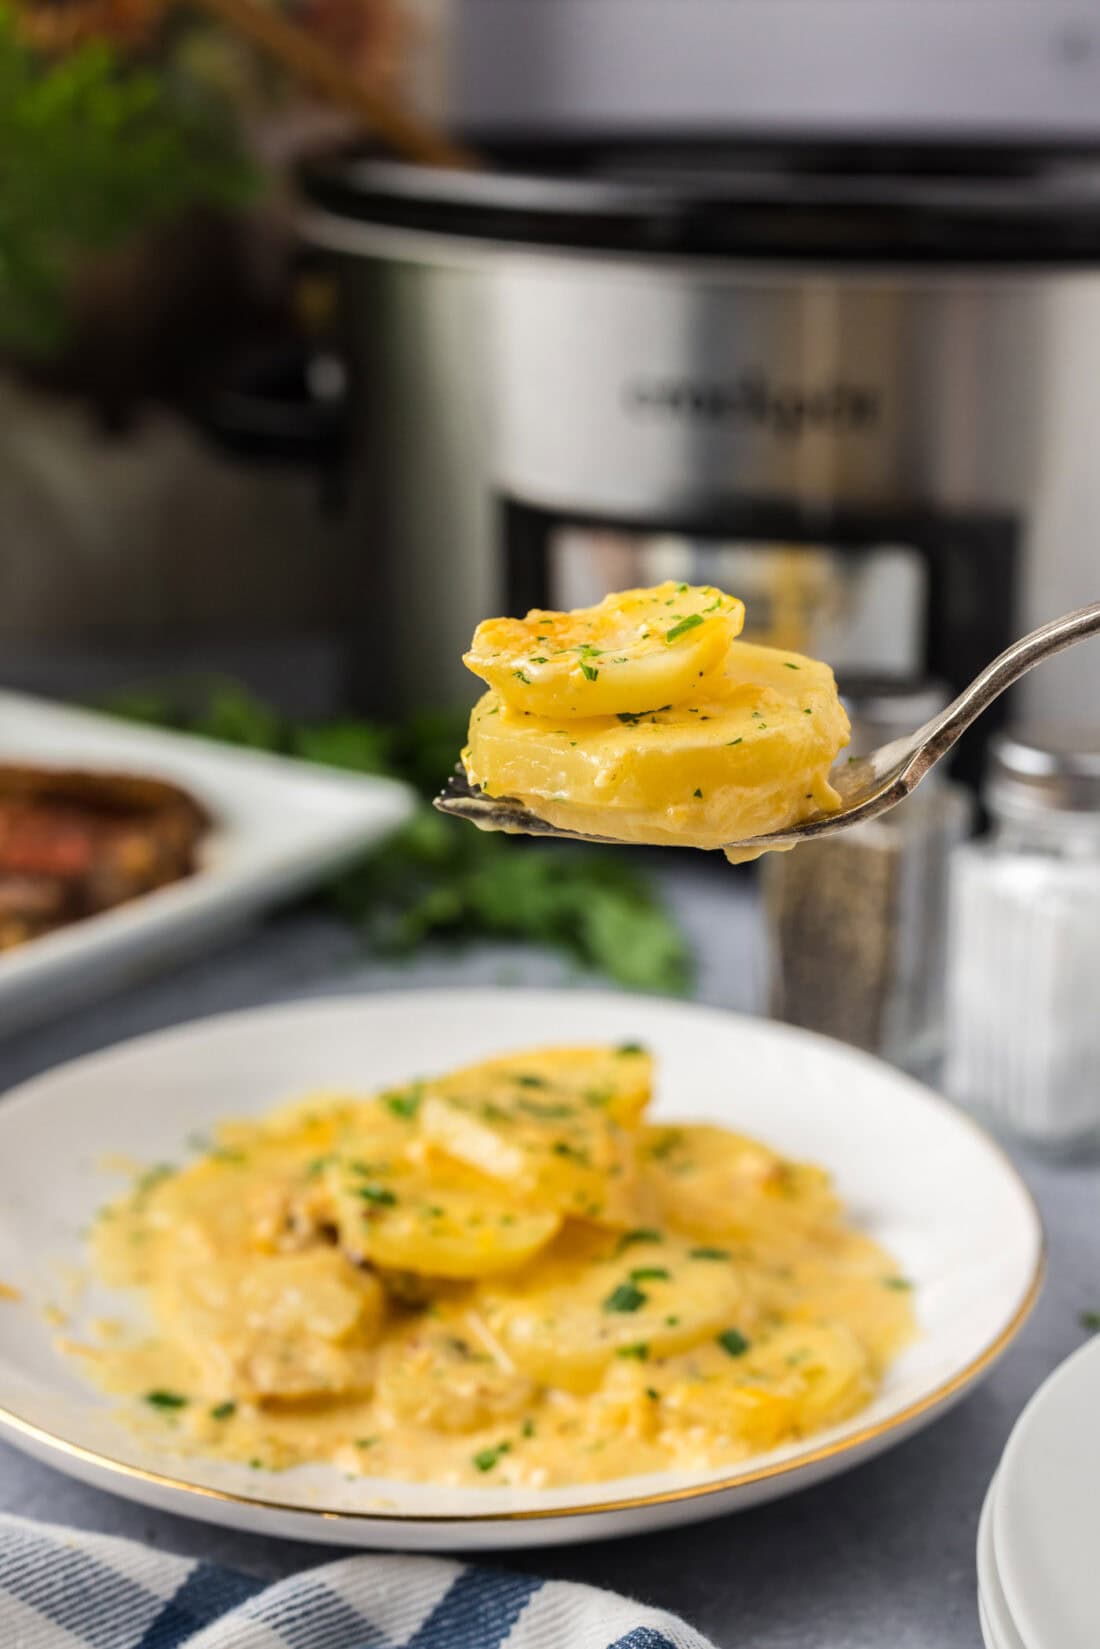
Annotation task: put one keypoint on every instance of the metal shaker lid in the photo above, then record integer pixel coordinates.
(883, 708)
(1044, 770)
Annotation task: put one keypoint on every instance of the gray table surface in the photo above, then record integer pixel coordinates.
(880, 1558)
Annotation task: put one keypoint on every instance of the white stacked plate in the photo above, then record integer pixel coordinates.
(1039, 1536)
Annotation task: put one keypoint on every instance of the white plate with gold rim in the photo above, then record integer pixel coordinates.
(918, 1176)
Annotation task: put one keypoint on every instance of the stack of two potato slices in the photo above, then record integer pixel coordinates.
(645, 719)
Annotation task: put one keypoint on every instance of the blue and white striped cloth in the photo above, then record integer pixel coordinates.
(60, 1589)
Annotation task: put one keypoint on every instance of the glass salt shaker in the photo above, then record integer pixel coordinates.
(857, 922)
(1024, 946)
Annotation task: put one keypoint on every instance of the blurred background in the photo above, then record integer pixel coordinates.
(802, 298)
(331, 326)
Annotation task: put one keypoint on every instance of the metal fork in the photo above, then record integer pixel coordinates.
(868, 785)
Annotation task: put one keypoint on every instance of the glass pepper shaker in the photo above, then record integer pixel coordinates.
(856, 922)
(1024, 948)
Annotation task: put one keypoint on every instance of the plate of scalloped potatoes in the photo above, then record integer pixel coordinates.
(457, 1269)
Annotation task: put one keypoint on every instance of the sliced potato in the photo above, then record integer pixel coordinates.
(710, 1182)
(285, 1327)
(420, 1223)
(790, 1381)
(565, 1324)
(438, 1374)
(744, 756)
(580, 1164)
(550, 1084)
(823, 1364)
(636, 650)
(553, 1124)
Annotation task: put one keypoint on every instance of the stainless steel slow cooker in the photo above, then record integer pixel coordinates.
(859, 387)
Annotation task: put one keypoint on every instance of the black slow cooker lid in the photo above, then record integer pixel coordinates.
(993, 202)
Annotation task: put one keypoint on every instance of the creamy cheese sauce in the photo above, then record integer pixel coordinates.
(503, 1276)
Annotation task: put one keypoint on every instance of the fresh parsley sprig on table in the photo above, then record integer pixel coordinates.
(439, 877)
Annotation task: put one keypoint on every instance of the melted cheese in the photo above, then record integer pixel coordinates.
(505, 1275)
(712, 756)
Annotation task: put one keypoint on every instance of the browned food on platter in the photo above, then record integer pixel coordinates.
(74, 843)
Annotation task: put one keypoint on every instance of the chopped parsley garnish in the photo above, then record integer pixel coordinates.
(527, 1080)
(699, 794)
(153, 1176)
(627, 1297)
(625, 1048)
(652, 1393)
(521, 675)
(538, 660)
(733, 742)
(648, 1273)
(681, 589)
(562, 1148)
(379, 1196)
(1090, 1321)
(807, 712)
(789, 666)
(901, 1284)
(405, 1102)
(528, 1427)
(632, 717)
(640, 1351)
(546, 1110)
(486, 1459)
(365, 1442)
(710, 1254)
(692, 622)
(223, 1411)
(589, 672)
(643, 1233)
(165, 1400)
(734, 1342)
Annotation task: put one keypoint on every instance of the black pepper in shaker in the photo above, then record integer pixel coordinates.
(857, 922)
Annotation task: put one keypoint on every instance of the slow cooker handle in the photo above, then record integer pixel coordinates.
(283, 407)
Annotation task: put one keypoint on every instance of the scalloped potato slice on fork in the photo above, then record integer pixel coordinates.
(636, 648)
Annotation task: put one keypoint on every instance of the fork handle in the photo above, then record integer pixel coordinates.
(938, 735)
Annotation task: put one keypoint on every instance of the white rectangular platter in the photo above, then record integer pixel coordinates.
(279, 826)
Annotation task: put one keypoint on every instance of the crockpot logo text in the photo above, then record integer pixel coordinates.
(752, 402)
